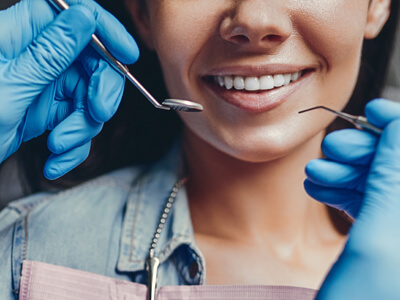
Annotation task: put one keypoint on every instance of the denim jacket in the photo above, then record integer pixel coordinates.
(104, 226)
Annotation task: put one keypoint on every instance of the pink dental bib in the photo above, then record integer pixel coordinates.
(45, 281)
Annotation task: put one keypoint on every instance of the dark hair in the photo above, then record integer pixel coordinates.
(373, 70)
(139, 133)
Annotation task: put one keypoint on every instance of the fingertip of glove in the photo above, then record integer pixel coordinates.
(340, 135)
(118, 41)
(132, 53)
(128, 55)
(306, 183)
(50, 175)
(81, 16)
(135, 52)
(316, 170)
(375, 102)
(58, 165)
(334, 139)
(51, 171)
(374, 105)
(99, 115)
(309, 187)
(389, 138)
(53, 145)
(329, 140)
(105, 92)
(381, 111)
(315, 191)
(311, 167)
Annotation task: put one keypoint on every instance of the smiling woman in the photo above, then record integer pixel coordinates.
(255, 138)
(226, 206)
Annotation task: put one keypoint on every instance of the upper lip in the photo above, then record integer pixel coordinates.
(259, 70)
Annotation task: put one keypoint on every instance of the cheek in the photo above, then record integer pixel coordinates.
(178, 43)
(334, 29)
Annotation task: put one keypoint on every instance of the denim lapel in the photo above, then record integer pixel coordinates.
(146, 201)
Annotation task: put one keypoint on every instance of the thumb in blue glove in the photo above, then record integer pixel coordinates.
(51, 81)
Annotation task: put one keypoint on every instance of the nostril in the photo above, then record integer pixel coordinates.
(240, 39)
(272, 38)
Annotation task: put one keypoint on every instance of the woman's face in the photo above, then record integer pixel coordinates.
(253, 64)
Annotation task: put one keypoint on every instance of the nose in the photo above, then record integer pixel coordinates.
(256, 24)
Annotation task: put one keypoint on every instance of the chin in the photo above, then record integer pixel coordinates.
(255, 141)
(256, 147)
(258, 152)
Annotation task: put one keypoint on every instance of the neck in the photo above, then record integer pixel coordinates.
(236, 200)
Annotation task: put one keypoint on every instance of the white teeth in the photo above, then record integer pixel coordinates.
(238, 82)
(295, 76)
(220, 80)
(253, 83)
(267, 82)
(286, 79)
(228, 80)
(279, 80)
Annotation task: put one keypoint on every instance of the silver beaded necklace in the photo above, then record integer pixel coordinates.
(152, 261)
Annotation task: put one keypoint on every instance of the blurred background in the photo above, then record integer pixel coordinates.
(12, 182)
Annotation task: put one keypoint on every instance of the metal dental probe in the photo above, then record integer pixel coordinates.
(360, 122)
(168, 104)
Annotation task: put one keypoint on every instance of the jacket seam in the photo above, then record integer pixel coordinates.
(16, 255)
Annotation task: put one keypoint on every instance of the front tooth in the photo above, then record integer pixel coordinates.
(228, 81)
(279, 80)
(287, 78)
(220, 80)
(267, 82)
(238, 82)
(251, 84)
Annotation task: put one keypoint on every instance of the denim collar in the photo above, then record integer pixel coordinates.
(146, 201)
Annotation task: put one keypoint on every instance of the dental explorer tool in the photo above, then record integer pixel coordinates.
(360, 122)
(168, 104)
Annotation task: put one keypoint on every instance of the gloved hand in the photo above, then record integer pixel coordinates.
(51, 80)
(362, 176)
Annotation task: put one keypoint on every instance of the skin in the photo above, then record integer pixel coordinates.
(253, 220)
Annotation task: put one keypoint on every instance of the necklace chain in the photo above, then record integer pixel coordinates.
(165, 213)
(152, 262)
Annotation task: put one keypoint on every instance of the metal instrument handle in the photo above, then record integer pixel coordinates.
(364, 124)
(116, 64)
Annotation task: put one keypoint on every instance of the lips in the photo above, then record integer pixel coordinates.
(257, 92)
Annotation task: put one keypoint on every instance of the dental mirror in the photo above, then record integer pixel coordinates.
(168, 104)
(183, 105)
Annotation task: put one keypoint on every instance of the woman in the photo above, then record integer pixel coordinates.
(242, 216)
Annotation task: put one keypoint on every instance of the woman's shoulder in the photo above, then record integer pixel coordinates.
(113, 185)
(101, 191)
(91, 202)
(80, 226)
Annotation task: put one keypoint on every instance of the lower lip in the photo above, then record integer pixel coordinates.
(259, 101)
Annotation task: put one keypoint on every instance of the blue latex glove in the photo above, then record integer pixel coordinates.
(51, 80)
(362, 176)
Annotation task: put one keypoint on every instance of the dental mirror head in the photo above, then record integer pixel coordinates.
(183, 105)
(168, 104)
